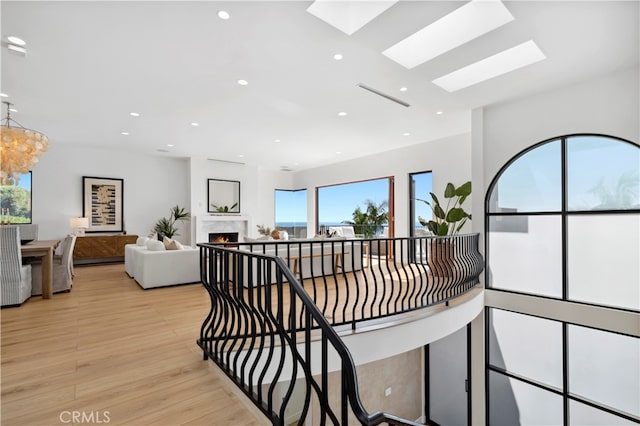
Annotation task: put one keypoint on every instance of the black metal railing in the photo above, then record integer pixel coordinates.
(273, 305)
(354, 280)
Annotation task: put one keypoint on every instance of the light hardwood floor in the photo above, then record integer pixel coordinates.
(110, 350)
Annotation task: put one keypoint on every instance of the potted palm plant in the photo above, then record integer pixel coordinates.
(447, 221)
(166, 227)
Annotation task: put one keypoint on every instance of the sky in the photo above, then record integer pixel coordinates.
(533, 181)
(25, 181)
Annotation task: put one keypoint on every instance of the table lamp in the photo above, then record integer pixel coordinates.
(79, 224)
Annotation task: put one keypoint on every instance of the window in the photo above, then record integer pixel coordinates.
(365, 205)
(291, 211)
(563, 219)
(16, 200)
(530, 357)
(420, 185)
(563, 222)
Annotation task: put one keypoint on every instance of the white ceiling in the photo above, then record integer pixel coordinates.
(91, 63)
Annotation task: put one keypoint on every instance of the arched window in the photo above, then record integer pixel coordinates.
(563, 221)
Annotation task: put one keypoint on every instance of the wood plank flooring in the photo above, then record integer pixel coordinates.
(115, 354)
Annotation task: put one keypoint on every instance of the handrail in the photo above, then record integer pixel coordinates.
(259, 328)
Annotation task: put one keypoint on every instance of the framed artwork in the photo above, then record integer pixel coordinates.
(102, 203)
(223, 196)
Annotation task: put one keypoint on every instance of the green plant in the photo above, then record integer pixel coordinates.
(264, 230)
(448, 220)
(166, 226)
(224, 209)
(370, 221)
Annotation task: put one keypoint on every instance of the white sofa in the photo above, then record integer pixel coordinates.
(162, 268)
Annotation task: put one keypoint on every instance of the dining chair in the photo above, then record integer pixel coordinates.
(62, 269)
(15, 278)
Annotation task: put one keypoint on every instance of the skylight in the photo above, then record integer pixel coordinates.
(464, 24)
(501, 63)
(348, 16)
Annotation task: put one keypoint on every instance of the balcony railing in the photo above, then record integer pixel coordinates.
(274, 305)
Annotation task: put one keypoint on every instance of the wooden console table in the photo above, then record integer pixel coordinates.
(101, 248)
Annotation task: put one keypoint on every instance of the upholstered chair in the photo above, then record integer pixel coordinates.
(62, 269)
(15, 278)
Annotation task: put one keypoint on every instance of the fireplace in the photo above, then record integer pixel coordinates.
(223, 237)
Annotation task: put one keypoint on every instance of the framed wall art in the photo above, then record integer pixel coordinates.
(102, 200)
(223, 196)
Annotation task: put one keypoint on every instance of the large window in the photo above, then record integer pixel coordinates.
(291, 211)
(366, 205)
(541, 370)
(563, 220)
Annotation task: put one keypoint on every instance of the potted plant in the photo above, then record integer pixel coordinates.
(165, 227)
(447, 221)
(224, 209)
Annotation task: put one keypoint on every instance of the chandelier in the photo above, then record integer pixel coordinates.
(19, 149)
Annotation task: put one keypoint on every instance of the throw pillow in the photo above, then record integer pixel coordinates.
(142, 241)
(155, 245)
(170, 244)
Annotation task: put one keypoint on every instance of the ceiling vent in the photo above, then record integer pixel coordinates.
(384, 95)
(226, 161)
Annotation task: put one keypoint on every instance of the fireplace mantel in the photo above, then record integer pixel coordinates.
(206, 224)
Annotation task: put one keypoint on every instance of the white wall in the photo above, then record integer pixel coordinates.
(449, 159)
(607, 105)
(256, 189)
(152, 185)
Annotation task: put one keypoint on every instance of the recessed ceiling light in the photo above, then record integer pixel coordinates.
(124, 133)
(13, 110)
(134, 114)
(403, 89)
(223, 14)
(3, 95)
(195, 124)
(17, 49)
(501, 63)
(243, 82)
(464, 24)
(342, 113)
(170, 145)
(338, 152)
(277, 141)
(240, 155)
(337, 57)
(16, 40)
(439, 112)
(406, 134)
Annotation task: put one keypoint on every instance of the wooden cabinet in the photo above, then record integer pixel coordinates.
(101, 248)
